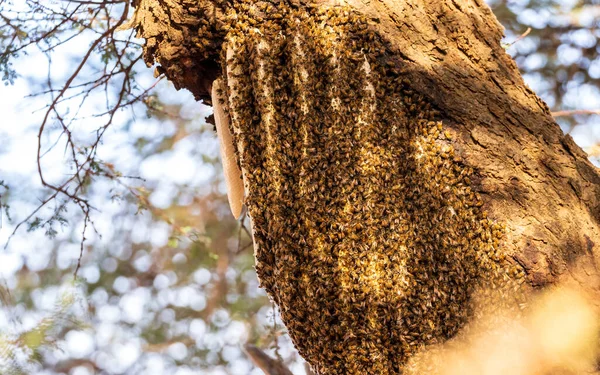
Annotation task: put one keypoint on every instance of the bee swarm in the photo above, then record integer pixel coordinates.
(370, 236)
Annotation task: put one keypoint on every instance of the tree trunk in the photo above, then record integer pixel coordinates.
(394, 162)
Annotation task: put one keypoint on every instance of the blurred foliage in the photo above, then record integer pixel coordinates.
(21, 346)
(166, 274)
(559, 57)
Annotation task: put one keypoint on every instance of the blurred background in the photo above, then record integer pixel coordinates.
(127, 260)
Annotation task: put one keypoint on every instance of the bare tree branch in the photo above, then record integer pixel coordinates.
(269, 365)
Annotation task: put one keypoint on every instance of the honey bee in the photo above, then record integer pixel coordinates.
(369, 233)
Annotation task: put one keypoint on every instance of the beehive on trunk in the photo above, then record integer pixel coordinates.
(363, 182)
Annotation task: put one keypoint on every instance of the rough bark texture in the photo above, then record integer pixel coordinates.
(531, 176)
(394, 161)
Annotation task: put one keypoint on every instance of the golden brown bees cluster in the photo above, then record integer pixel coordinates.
(369, 234)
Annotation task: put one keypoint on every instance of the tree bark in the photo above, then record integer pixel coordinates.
(394, 162)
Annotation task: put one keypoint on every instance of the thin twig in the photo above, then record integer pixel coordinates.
(243, 227)
(576, 112)
(522, 36)
(86, 220)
